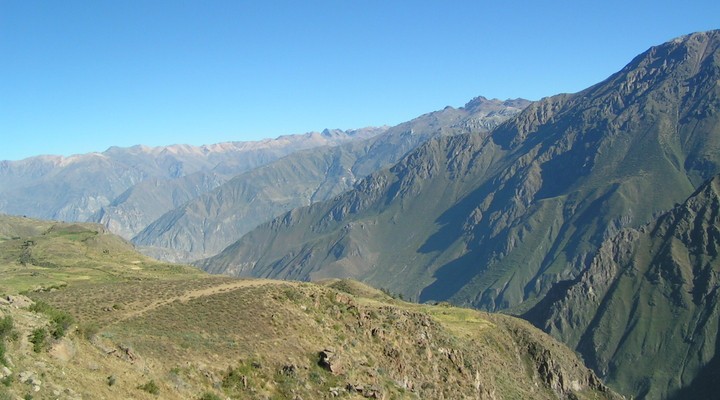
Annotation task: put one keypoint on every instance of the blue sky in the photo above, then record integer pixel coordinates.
(80, 76)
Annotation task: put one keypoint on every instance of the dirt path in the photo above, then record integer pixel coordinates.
(194, 294)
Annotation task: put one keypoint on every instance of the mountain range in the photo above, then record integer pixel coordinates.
(495, 220)
(101, 186)
(207, 224)
(540, 217)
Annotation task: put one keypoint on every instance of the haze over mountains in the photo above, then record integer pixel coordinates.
(93, 186)
(206, 225)
(594, 214)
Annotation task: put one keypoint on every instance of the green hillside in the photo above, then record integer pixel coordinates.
(84, 316)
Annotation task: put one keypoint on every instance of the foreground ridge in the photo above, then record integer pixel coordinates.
(136, 328)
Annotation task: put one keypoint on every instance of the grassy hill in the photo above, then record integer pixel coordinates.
(85, 316)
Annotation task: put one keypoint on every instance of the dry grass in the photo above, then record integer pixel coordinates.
(193, 335)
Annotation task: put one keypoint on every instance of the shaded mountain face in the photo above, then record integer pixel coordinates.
(645, 313)
(495, 220)
(206, 225)
(77, 188)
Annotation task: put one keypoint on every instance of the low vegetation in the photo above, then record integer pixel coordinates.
(184, 334)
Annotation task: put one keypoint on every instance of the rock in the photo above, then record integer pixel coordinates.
(289, 370)
(25, 376)
(367, 391)
(64, 350)
(5, 372)
(354, 387)
(127, 353)
(372, 392)
(18, 301)
(330, 361)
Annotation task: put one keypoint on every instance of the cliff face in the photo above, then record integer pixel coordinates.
(645, 314)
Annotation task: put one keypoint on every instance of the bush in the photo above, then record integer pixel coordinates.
(209, 396)
(89, 330)
(6, 327)
(150, 387)
(5, 395)
(60, 320)
(38, 339)
(6, 330)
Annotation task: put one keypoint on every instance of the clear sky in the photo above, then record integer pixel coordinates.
(80, 76)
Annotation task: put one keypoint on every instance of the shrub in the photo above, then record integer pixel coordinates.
(60, 320)
(6, 326)
(6, 330)
(209, 396)
(38, 338)
(150, 387)
(89, 330)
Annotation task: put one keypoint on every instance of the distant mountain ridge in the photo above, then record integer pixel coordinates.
(206, 225)
(77, 188)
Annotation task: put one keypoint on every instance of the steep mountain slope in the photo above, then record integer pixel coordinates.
(108, 323)
(143, 203)
(645, 314)
(495, 220)
(74, 188)
(208, 224)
